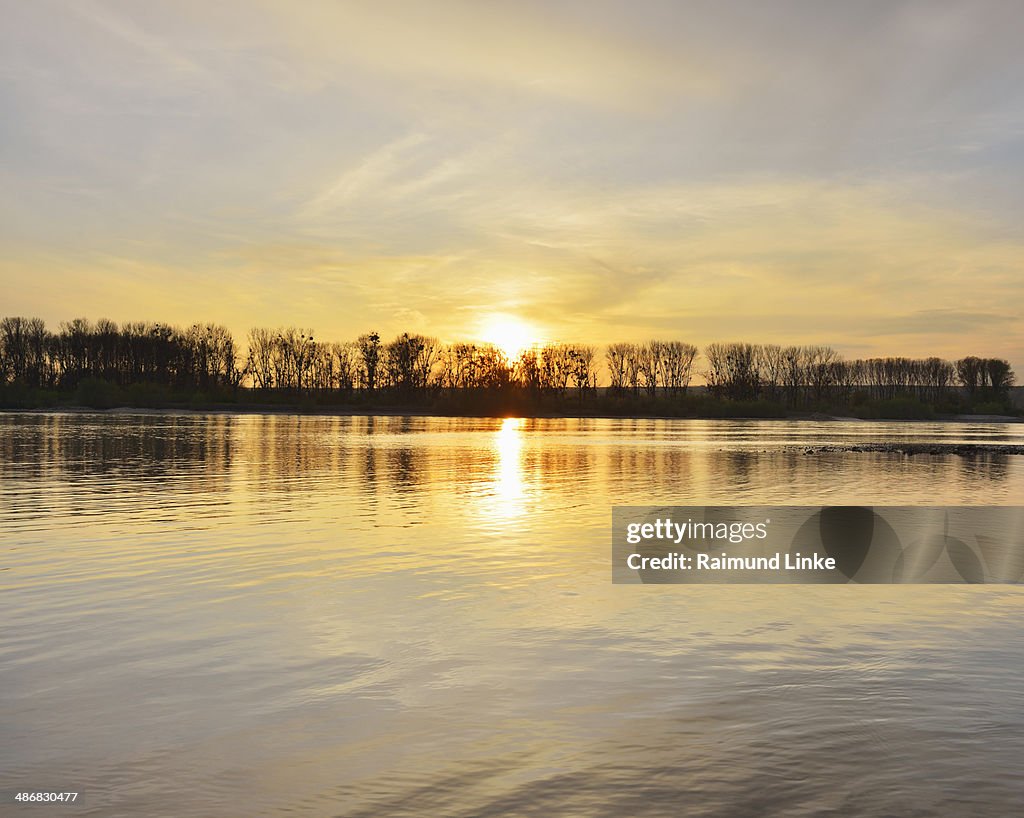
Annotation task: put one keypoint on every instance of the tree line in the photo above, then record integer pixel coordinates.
(200, 357)
(205, 357)
(798, 375)
(291, 359)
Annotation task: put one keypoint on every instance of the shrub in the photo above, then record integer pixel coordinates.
(98, 394)
(896, 409)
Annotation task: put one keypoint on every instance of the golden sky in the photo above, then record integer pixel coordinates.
(839, 173)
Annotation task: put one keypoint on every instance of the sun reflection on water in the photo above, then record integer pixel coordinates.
(509, 490)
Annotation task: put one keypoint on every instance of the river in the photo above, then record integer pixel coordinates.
(262, 615)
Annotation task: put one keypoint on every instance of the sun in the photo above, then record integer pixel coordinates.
(511, 335)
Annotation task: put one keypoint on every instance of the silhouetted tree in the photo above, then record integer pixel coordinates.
(733, 370)
(369, 350)
(616, 356)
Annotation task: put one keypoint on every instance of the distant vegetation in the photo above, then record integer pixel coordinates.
(156, 365)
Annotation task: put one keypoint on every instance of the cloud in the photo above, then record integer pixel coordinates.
(833, 173)
(532, 50)
(938, 322)
(368, 174)
(125, 31)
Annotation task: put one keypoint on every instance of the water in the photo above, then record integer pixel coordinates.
(268, 615)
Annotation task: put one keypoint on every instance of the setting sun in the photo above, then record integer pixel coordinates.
(511, 335)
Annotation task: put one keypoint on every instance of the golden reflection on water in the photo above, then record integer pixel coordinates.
(418, 614)
(509, 499)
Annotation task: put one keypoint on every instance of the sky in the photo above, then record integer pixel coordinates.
(815, 172)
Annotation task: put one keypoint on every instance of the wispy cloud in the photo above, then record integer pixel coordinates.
(369, 175)
(127, 32)
(839, 173)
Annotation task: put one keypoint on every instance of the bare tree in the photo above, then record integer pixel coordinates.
(369, 351)
(260, 364)
(616, 356)
(581, 367)
(675, 364)
(733, 370)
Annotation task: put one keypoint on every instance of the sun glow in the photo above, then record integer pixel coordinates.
(511, 335)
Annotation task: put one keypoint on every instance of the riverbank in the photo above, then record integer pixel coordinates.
(695, 402)
(911, 449)
(338, 411)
